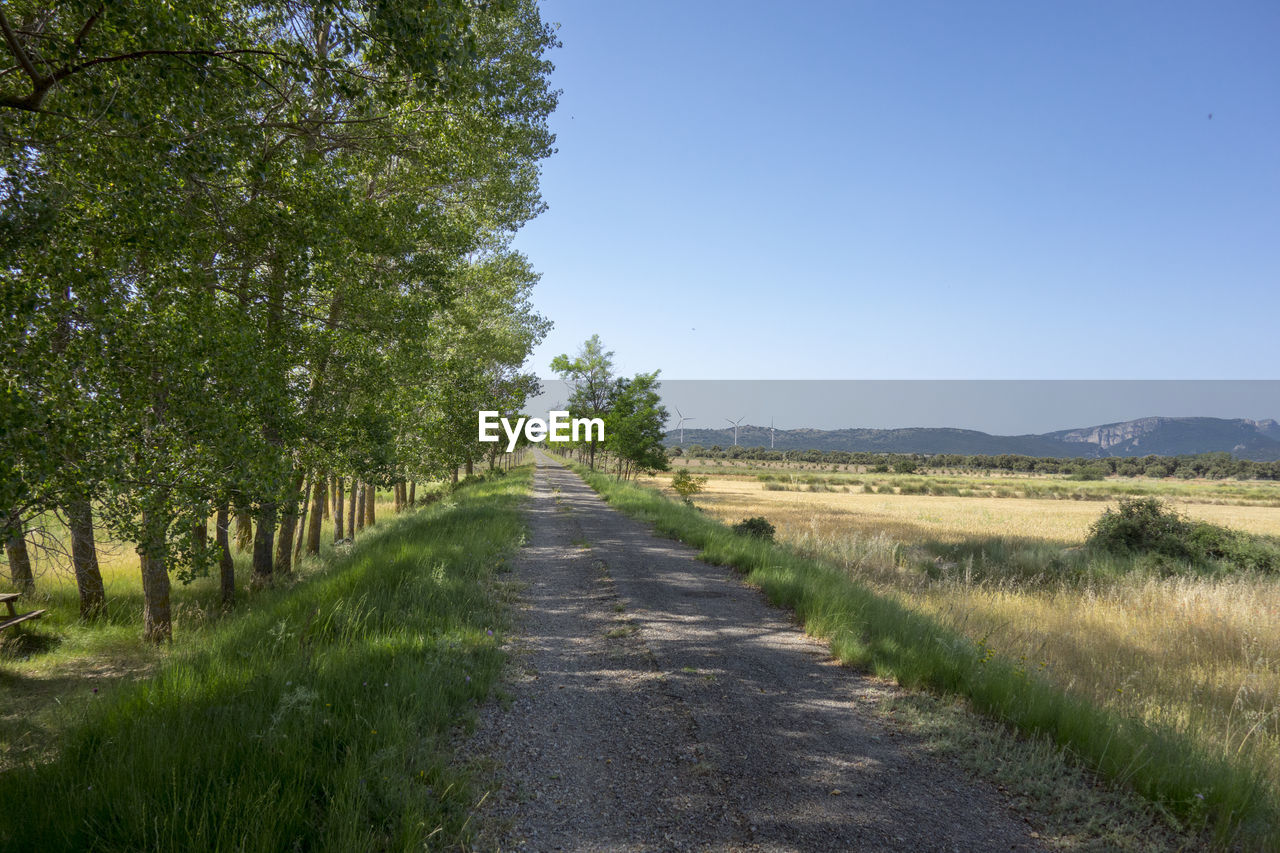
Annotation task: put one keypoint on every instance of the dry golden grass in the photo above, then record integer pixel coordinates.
(1200, 654)
(954, 519)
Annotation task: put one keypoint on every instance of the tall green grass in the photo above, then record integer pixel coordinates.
(318, 720)
(870, 631)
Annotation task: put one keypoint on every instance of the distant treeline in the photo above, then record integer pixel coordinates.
(1214, 466)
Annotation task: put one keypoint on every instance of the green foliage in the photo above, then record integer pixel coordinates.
(757, 527)
(686, 485)
(246, 241)
(635, 423)
(322, 719)
(904, 466)
(1151, 528)
(589, 375)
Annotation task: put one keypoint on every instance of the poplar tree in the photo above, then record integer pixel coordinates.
(220, 222)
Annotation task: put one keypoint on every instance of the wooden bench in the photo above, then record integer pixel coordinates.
(15, 617)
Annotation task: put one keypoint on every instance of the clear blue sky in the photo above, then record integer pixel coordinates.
(915, 190)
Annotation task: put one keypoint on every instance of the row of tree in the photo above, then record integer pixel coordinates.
(630, 407)
(1214, 466)
(250, 245)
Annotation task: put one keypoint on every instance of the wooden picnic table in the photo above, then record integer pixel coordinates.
(14, 616)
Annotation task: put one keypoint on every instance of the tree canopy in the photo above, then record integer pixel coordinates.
(247, 243)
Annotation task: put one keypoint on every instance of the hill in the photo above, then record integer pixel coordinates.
(1159, 436)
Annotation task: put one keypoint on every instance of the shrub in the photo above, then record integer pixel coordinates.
(758, 527)
(1148, 528)
(1141, 526)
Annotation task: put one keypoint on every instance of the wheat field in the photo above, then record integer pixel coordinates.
(954, 518)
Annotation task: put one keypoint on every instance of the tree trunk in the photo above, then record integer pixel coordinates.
(360, 513)
(471, 468)
(395, 498)
(244, 530)
(15, 547)
(199, 539)
(370, 500)
(157, 620)
(413, 488)
(328, 490)
(455, 476)
(351, 509)
(262, 540)
(288, 523)
(301, 538)
(318, 502)
(226, 565)
(337, 509)
(84, 558)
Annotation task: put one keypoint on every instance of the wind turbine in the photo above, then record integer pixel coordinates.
(735, 429)
(680, 425)
(771, 433)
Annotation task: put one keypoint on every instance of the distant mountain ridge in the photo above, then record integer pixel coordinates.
(1159, 436)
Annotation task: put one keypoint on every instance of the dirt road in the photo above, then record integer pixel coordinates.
(659, 704)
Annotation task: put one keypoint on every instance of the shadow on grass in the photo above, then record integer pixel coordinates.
(24, 643)
(318, 719)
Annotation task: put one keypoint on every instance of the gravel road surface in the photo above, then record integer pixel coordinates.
(659, 704)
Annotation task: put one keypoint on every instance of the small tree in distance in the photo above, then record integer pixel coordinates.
(589, 375)
(686, 485)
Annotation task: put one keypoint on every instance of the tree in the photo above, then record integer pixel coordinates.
(589, 375)
(225, 226)
(686, 485)
(635, 425)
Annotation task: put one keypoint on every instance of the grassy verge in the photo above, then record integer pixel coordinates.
(62, 641)
(52, 667)
(872, 631)
(319, 719)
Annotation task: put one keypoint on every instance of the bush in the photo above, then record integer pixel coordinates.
(758, 527)
(1148, 528)
(1141, 526)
